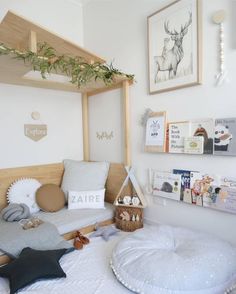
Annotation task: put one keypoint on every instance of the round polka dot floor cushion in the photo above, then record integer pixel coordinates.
(172, 260)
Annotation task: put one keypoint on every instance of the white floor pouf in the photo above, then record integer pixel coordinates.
(172, 260)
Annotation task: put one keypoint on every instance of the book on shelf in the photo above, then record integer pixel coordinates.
(177, 132)
(167, 185)
(225, 136)
(204, 128)
(185, 179)
(201, 184)
(193, 145)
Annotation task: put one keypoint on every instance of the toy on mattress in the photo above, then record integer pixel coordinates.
(31, 203)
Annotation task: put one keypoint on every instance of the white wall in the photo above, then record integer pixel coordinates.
(117, 29)
(61, 111)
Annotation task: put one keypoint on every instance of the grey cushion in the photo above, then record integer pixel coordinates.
(84, 176)
(164, 259)
(15, 212)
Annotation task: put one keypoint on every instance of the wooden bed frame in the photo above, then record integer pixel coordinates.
(53, 173)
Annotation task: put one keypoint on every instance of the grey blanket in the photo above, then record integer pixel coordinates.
(45, 237)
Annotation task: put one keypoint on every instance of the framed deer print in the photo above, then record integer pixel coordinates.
(174, 41)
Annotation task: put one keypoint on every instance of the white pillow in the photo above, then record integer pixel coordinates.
(84, 176)
(23, 191)
(86, 199)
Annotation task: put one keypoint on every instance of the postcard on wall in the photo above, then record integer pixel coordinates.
(193, 145)
(225, 136)
(156, 132)
(204, 128)
(167, 185)
(177, 132)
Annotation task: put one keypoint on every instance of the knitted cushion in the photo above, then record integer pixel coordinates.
(170, 260)
(15, 212)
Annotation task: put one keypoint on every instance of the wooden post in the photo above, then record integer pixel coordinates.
(125, 87)
(85, 126)
(33, 41)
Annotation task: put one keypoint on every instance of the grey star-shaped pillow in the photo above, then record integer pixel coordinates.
(33, 265)
(104, 232)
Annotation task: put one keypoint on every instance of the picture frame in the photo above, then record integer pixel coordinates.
(175, 46)
(155, 140)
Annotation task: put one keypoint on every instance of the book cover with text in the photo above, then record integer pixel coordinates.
(167, 185)
(177, 132)
(225, 136)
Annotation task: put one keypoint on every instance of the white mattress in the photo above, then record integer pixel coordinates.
(69, 220)
(88, 272)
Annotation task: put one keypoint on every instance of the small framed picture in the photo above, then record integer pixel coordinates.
(156, 132)
(174, 46)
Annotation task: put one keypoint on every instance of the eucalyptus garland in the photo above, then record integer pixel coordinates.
(47, 61)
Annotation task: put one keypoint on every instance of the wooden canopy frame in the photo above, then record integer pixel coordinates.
(20, 33)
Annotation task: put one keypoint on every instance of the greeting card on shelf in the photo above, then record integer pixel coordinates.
(204, 128)
(225, 136)
(167, 185)
(156, 132)
(177, 132)
(193, 145)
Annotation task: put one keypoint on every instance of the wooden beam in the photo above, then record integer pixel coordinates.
(127, 159)
(33, 41)
(85, 126)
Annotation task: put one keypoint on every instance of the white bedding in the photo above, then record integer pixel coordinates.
(69, 220)
(88, 272)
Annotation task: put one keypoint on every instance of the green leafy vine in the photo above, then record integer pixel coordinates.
(46, 61)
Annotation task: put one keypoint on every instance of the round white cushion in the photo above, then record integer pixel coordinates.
(172, 260)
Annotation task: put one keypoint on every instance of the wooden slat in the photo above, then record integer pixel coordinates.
(33, 41)
(14, 30)
(127, 159)
(88, 229)
(85, 126)
(50, 173)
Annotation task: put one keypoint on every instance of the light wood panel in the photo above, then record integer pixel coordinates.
(15, 29)
(20, 33)
(88, 229)
(126, 122)
(85, 126)
(52, 173)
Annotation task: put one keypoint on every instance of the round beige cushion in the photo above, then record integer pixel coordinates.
(50, 197)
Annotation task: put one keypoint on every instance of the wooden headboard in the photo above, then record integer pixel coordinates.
(52, 173)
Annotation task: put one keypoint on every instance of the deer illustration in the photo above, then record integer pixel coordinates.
(170, 59)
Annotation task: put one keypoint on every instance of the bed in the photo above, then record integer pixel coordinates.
(88, 271)
(66, 221)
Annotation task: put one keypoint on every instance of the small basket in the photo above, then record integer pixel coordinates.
(129, 225)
